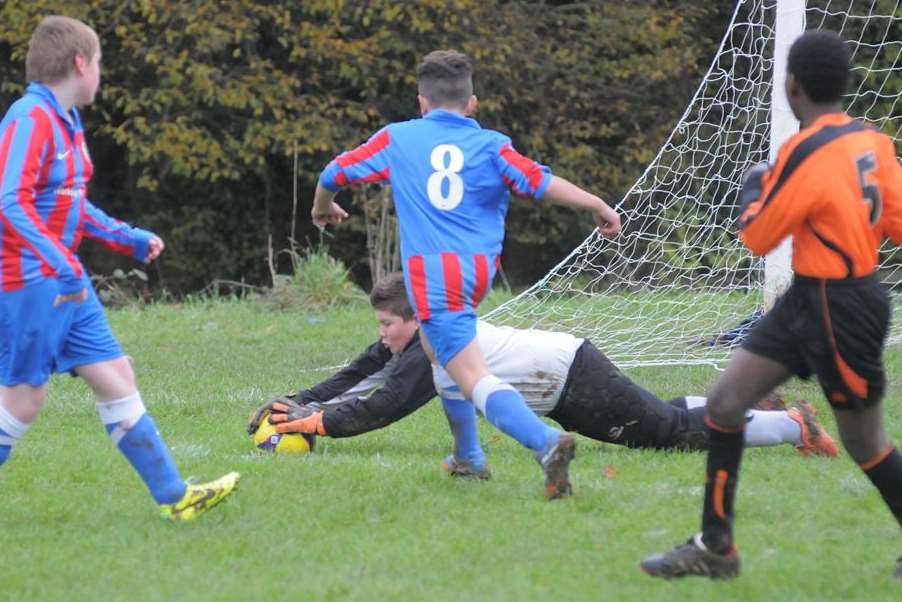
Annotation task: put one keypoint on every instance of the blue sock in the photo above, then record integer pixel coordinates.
(462, 418)
(135, 434)
(506, 409)
(11, 430)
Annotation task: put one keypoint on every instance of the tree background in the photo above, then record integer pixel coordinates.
(206, 106)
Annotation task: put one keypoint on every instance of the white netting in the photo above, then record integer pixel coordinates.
(674, 287)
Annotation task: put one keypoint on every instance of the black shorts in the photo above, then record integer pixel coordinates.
(834, 329)
(601, 402)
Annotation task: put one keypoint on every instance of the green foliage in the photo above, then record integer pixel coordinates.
(318, 281)
(205, 104)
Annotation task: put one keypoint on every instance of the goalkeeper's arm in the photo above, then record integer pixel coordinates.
(366, 365)
(408, 386)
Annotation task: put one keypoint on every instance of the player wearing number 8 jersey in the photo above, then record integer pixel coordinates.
(451, 180)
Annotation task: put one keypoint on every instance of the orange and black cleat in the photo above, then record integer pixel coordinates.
(815, 440)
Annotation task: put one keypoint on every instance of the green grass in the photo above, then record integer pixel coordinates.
(373, 518)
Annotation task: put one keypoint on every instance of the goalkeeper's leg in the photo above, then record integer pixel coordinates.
(601, 402)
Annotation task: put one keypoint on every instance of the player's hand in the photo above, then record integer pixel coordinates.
(298, 419)
(77, 298)
(608, 222)
(282, 402)
(752, 185)
(333, 216)
(155, 246)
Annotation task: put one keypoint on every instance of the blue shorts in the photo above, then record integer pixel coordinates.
(37, 339)
(444, 290)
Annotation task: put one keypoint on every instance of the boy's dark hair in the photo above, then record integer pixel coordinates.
(445, 78)
(389, 294)
(819, 60)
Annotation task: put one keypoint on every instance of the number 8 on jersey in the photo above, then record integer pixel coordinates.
(447, 160)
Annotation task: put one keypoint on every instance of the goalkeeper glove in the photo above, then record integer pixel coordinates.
(295, 418)
(268, 408)
(752, 186)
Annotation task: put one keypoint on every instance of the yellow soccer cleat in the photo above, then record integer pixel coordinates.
(200, 498)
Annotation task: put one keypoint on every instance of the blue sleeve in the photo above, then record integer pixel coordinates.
(368, 163)
(525, 177)
(115, 234)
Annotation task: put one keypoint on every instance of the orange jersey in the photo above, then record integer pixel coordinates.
(837, 189)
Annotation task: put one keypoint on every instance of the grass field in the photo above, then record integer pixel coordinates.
(374, 518)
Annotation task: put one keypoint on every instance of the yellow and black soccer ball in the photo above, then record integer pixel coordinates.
(267, 439)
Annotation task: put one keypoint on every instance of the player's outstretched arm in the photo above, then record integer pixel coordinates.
(562, 192)
(119, 236)
(325, 210)
(408, 387)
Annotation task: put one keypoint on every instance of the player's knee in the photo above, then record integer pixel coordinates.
(24, 402)
(114, 379)
(725, 408)
(862, 446)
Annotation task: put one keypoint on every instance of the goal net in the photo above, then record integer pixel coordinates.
(677, 287)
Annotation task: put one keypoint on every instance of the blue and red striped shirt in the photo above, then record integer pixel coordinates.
(450, 179)
(44, 210)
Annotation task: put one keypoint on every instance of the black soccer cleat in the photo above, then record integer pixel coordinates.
(692, 558)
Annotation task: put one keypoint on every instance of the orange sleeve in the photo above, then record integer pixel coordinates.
(784, 205)
(891, 192)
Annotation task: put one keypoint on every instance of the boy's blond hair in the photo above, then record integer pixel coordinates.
(54, 45)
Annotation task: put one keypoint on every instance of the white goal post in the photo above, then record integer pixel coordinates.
(676, 287)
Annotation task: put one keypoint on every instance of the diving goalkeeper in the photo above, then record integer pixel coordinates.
(560, 376)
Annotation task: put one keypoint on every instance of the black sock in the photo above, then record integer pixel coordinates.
(724, 456)
(886, 475)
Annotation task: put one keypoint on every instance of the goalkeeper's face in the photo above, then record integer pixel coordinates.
(394, 331)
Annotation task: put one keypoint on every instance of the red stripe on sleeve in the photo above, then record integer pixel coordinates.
(416, 268)
(365, 150)
(513, 186)
(111, 243)
(379, 176)
(482, 278)
(529, 168)
(454, 282)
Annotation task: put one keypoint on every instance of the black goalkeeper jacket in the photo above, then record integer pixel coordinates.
(406, 386)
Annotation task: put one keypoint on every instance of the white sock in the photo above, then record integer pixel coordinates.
(120, 415)
(695, 401)
(11, 430)
(771, 428)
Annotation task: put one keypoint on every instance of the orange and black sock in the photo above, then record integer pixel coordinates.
(885, 472)
(724, 456)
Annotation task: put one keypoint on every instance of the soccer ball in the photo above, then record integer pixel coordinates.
(267, 439)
